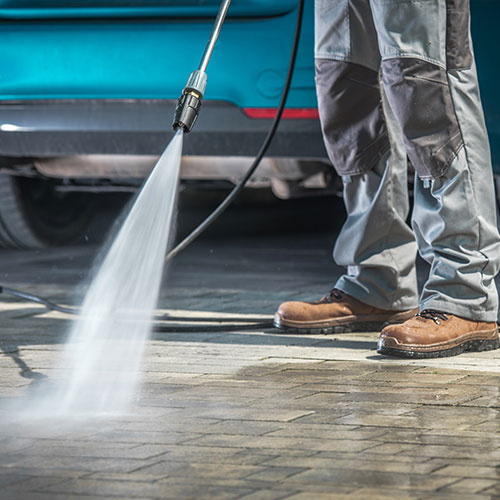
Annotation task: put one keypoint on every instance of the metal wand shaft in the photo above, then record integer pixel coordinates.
(219, 21)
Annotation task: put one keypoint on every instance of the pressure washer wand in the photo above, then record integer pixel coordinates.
(189, 103)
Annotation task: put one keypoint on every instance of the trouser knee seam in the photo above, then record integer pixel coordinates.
(471, 182)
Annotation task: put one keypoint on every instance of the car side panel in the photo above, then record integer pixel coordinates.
(152, 59)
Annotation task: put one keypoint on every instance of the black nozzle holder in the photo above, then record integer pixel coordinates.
(189, 103)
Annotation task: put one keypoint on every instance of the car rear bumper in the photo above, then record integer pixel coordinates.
(143, 127)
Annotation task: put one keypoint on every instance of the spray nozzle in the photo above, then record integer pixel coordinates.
(189, 103)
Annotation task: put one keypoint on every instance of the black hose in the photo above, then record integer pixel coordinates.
(265, 146)
(39, 300)
(225, 323)
(227, 201)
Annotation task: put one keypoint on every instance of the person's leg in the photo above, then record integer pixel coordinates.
(429, 75)
(375, 244)
(464, 253)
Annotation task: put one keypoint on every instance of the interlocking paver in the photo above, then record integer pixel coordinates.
(131, 489)
(236, 414)
(275, 473)
(469, 486)
(383, 464)
(251, 428)
(267, 495)
(457, 496)
(13, 495)
(337, 493)
(353, 477)
(328, 431)
(278, 443)
(378, 493)
(469, 471)
(190, 469)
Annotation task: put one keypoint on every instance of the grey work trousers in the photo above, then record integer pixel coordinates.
(396, 82)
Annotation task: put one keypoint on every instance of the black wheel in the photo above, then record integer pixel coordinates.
(34, 214)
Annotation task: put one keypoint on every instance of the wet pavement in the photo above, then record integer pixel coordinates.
(231, 409)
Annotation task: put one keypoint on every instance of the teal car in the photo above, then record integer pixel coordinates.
(88, 91)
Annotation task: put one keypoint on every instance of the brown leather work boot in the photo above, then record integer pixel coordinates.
(435, 334)
(337, 312)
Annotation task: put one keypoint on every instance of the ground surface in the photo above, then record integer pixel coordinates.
(232, 411)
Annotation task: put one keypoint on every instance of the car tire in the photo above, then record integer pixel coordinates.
(34, 214)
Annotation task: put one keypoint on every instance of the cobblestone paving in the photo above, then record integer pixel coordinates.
(233, 411)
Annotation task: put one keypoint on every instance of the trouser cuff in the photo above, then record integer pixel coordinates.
(376, 300)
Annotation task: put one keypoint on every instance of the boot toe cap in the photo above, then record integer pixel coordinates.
(294, 311)
(398, 335)
(387, 340)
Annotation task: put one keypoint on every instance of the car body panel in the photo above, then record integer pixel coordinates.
(67, 9)
(152, 59)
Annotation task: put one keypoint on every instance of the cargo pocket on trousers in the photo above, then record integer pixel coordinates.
(352, 117)
(419, 95)
(458, 50)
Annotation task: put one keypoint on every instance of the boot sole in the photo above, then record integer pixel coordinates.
(470, 345)
(349, 326)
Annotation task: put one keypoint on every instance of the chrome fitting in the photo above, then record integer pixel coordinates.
(189, 103)
(197, 81)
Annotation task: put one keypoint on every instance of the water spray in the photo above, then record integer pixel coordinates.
(103, 357)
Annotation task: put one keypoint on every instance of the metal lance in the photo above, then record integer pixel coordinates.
(189, 103)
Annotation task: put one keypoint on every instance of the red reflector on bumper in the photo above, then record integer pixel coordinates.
(288, 114)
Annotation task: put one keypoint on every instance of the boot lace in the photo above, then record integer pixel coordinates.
(334, 295)
(434, 315)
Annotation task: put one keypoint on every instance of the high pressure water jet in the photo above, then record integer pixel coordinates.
(115, 319)
(104, 349)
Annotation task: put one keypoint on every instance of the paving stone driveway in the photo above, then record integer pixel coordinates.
(229, 410)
